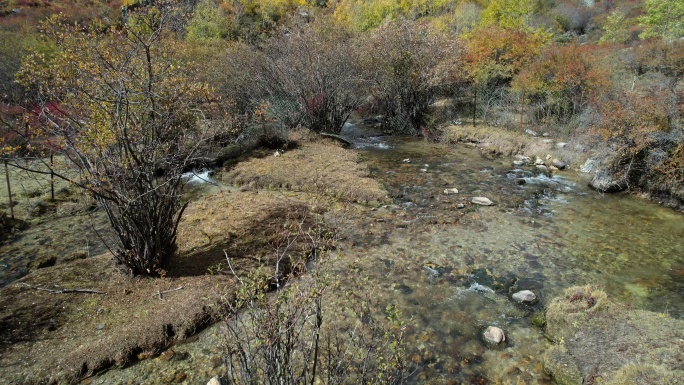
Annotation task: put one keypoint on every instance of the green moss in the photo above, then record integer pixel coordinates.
(559, 364)
(538, 319)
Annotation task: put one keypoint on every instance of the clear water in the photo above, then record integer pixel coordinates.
(451, 270)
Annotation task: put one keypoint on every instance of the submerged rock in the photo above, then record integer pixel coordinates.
(448, 191)
(524, 296)
(494, 335)
(482, 201)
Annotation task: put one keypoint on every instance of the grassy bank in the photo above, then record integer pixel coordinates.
(64, 336)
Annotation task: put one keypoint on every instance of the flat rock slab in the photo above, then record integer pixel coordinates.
(482, 201)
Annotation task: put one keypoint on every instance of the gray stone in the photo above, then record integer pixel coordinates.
(518, 163)
(530, 132)
(494, 335)
(214, 381)
(542, 167)
(561, 145)
(524, 296)
(460, 206)
(589, 166)
(559, 164)
(607, 183)
(482, 201)
(448, 191)
(407, 160)
(538, 161)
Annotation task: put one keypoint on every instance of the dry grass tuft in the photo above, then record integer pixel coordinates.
(318, 166)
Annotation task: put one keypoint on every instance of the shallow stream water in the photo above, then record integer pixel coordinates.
(451, 269)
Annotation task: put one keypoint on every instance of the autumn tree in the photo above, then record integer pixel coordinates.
(122, 110)
(664, 18)
(563, 79)
(494, 55)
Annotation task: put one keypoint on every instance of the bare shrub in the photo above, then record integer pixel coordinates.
(125, 112)
(407, 62)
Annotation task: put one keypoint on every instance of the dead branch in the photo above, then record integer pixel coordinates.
(62, 291)
(160, 294)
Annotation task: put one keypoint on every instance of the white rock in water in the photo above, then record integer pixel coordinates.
(538, 161)
(494, 335)
(214, 381)
(448, 191)
(482, 201)
(542, 167)
(407, 160)
(277, 153)
(518, 163)
(561, 144)
(525, 296)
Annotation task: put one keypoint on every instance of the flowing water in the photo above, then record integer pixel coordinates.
(451, 266)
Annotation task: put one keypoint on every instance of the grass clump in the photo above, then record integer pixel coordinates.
(607, 343)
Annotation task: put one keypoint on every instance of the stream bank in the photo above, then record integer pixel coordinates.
(449, 265)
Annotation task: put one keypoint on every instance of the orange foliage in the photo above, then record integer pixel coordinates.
(565, 77)
(494, 54)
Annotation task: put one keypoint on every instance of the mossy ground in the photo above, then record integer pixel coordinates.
(46, 337)
(601, 342)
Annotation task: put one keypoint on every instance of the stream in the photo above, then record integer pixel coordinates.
(451, 266)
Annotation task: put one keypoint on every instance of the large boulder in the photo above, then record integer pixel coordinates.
(606, 182)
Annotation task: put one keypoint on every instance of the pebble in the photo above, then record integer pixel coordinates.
(460, 206)
(214, 381)
(494, 335)
(407, 160)
(518, 163)
(448, 191)
(167, 355)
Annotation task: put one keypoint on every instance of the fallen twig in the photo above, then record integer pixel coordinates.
(62, 291)
(161, 293)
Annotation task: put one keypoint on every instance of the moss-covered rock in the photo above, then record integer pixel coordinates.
(608, 343)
